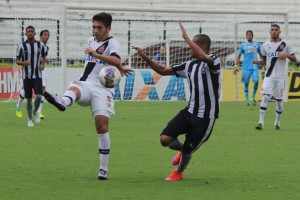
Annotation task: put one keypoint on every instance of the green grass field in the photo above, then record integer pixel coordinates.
(58, 158)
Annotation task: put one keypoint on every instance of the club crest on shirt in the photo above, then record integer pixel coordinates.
(100, 50)
(203, 69)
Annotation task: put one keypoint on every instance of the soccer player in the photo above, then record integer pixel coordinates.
(44, 37)
(275, 53)
(31, 54)
(250, 49)
(197, 119)
(102, 50)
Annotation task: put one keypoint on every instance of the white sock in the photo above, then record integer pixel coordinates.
(41, 104)
(21, 98)
(263, 108)
(279, 110)
(104, 148)
(69, 97)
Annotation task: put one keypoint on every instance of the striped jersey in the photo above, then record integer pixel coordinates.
(204, 83)
(33, 52)
(92, 65)
(275, 68)
(250, 51)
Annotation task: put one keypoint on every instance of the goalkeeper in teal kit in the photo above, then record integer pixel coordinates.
(250, 49)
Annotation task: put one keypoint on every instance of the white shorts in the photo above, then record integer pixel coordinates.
(98, 98)
(273, 86)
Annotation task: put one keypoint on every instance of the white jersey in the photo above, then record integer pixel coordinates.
(92, 66)
(275, 68)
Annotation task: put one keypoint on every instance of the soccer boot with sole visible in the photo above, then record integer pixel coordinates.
(42, 116)
(30, 123)
(55, 100)
(102, 174)
(259, 126)
(176, 159)
(174, 176)
(253, 102)
(37, 118)
(277, 127)
(18, 113)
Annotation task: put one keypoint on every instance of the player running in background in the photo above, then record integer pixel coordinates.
(44, 37)
(275, 52)
(250, 49)
(102, 50)
(31, 54)
(197, 119)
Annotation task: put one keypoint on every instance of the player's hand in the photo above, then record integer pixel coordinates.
(282, 56)
(125, 70)
(183, 31)
(27, 62)
(235, 69)
(89, 51)
(42, 67)
(139, 50)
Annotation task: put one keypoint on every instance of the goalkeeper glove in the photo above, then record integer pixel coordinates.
(235, 68)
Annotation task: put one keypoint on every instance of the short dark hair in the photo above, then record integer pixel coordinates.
(44, 31)
(103, 17)
(249, 31)
(30, 27)
(275, 25)
(204, 39)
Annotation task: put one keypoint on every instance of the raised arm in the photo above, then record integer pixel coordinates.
(198, 52)
(153, 64)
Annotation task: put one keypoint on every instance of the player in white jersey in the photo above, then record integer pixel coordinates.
(102, 50)
(275, 52)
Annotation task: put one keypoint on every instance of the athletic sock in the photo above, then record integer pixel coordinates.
(37, 102)
(69, 98)
(104, 148)
(21, 98)
(254, 89)
(184, 161)
(176, 145)
(279, 110)
(263, 108)
(41, 104)
(246, 85)
(29, 108)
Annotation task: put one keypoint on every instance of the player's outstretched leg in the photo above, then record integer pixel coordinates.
(55, 100)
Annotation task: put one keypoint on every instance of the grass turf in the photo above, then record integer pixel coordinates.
(58, 158)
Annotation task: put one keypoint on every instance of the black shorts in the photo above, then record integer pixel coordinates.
(197, 129)
(32, 84)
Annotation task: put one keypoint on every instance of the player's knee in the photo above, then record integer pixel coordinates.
(101, 129)
(165, 140)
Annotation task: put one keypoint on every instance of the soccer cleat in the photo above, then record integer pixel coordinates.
(276, 126)
(253, 102)
(259, 126)
(30, 123)
(102, 174)
(18, 112)
(37, 118)
(42, 116)
(174, 176)
(176, 159)
(55, 100)
(247, 104)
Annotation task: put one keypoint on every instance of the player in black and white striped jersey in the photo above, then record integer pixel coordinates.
(44, 37)
(196, 121)
(32, 56)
